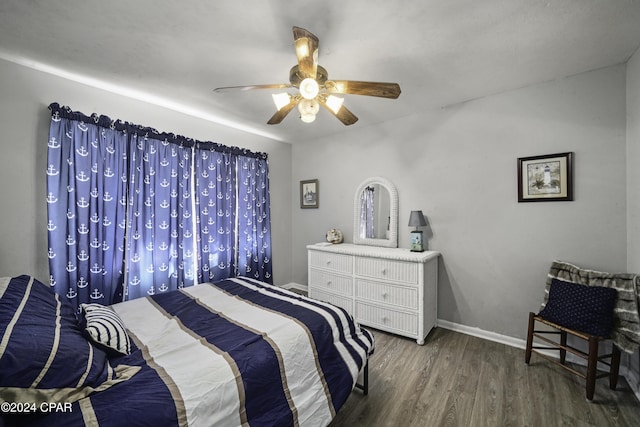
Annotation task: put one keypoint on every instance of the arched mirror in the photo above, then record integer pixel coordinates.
(376, 213)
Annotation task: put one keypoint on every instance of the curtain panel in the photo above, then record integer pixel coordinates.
(160, 239)
(86, 205)
(134, 212)
(216, 205)
(254, 234)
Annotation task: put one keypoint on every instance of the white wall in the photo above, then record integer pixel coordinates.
(24, 125)
(633, 185)
(459, 166)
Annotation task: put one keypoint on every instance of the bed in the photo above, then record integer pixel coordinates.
(234, 352)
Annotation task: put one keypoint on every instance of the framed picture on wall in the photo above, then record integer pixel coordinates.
(547, 178)
(309, 194)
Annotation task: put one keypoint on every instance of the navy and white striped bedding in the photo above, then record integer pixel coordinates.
(236, 352)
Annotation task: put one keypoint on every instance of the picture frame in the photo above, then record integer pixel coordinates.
(547, 178)
(309, 194)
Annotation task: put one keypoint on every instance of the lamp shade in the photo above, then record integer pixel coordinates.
(416, 219)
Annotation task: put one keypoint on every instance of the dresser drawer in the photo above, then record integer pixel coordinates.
(336, 262)
(331, 282)
(337, 300)
(400, 296)
(394, 271)
(386, 318)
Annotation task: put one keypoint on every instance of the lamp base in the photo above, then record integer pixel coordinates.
(416, 241)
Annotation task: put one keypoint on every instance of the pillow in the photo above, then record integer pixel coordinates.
(583, 308)
(105, 328)
(44, 356)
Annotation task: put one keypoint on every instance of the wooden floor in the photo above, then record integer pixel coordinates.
(459, 380)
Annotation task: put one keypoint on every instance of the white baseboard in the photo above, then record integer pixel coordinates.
(481, 333)
(629, 375)
(298, 286)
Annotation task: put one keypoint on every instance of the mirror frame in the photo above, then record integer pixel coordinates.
(392, 241)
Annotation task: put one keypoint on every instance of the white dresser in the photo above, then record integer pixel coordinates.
(390, 289)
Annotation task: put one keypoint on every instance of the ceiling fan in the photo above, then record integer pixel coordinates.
(314, 87)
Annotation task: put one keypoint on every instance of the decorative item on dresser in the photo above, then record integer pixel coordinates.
(416, 219)
(334, 236)
(391, 289)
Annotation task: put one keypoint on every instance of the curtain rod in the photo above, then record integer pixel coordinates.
(131, 128)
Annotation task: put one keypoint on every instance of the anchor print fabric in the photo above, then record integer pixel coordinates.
(254, 235)
(86, 203)
(133, 212)
(216, 211)
(160, 246)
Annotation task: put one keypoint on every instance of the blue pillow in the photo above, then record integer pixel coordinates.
(45, 349)
(584, 308)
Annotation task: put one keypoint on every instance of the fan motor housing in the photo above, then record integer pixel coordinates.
(295, 77)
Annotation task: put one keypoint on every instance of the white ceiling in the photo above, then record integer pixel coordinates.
(440, 52)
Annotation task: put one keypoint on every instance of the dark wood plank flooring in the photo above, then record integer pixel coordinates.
(460, 380)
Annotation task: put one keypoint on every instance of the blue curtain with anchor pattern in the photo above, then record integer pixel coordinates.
(134, 212)
(160, 244)
(86, 204)
(254, 235)
(216, 212)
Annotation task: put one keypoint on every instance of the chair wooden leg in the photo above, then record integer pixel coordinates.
(615, 367)
(563, 343)
(527, 352)
(592, 365)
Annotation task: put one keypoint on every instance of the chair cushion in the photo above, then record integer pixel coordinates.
(587, 309)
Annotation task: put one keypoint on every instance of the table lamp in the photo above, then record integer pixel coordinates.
(416, 219)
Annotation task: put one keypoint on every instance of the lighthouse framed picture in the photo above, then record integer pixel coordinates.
(309, 194)
(547, 178)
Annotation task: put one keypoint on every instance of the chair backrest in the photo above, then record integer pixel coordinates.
(625, 332)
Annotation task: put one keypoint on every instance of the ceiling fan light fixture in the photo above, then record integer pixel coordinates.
(309, 88)
(334, 103)
(311, 81)
(281, 99)
(308, 109)
(308, 106)
(307, 118)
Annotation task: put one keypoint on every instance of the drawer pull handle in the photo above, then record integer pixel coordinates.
(328, 282)
(385, 295)
(384, 271)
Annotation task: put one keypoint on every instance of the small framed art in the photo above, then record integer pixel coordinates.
(547, 178)
(309, 194)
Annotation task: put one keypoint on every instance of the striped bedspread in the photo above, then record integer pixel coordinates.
(233, 353)
(240, 351)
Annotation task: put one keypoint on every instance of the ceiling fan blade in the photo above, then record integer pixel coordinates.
(343, 114)
(379, 89)
(282, 112)
(306, 51)
(252, 87)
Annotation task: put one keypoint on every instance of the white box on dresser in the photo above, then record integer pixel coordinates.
(391, 289)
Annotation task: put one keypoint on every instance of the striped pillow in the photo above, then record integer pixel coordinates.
(105, 328)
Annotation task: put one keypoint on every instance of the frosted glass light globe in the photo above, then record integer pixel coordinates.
(309, 88)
